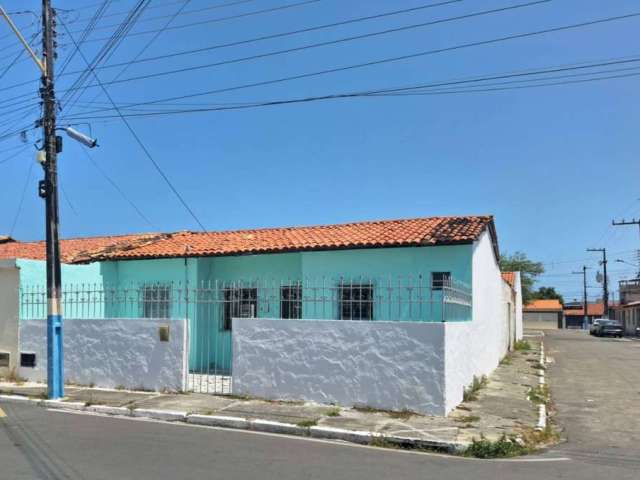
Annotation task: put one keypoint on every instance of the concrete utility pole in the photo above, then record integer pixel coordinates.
(585, 320)
(48, 189)
(605, 285)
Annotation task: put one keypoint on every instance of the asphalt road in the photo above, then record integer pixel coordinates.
(595, 384)
(39, 444)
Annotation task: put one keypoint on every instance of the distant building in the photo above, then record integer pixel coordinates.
(543, 314)
(628, 312)
(574, 314)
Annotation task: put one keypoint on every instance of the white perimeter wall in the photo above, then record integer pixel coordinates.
(517, 286)
(9, 283)
(476, 347)
(389, 365)
(112, 352)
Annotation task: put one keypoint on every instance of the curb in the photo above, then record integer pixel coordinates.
(542, 409)
(239, 423)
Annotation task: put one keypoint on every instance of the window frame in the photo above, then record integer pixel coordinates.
(291, 308)
(160, 305)
(438, 284)
(364, 306)
(232, 300)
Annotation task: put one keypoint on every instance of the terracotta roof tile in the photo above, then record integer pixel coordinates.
(388, 233)
(542, 305)
(69, 249)
(596, 309)
(509, 277)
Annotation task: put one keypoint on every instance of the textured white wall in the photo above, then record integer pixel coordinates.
(9, 283)
(476, 347)
(112, 352)
(390, 365)
(517, 285)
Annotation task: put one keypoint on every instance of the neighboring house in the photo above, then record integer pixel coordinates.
(513, 304)
(543, 314)
(574, 314)
(438, 271)
(628, 311)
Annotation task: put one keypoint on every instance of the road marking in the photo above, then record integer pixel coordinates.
(2, 414)
(341, 443)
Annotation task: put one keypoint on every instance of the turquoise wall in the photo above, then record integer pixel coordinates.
(210, 343)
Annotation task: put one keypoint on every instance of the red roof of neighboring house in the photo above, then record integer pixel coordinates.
(595, 309)
(386, 233)
(553, 305)
(509, 277)
(71, 248)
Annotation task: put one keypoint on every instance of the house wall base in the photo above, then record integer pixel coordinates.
(386, 365)
(112, 353)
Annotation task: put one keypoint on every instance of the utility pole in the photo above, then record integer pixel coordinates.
(48, 189)
(605, 285)
(633, 221)
(585, 320)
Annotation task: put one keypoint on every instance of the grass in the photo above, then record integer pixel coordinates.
(403, 414)
(120, 387)
(332, 412)
(502, 448)
(308, 423)
(506, 360)
(467, 419)
(471, 392)
(522, 345)
(539, 395)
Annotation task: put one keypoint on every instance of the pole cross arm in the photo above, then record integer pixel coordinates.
(39, 62)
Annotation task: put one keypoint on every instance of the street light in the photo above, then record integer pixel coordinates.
(628, 263)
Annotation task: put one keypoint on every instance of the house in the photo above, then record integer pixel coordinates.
(628, 311)
(513, 303)
(427, 292)
(574, 314)
(543, 314)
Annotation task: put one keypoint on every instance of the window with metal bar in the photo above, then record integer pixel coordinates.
(156, 301)
(239, 303)
(355, 302)
(291, 301)
(439, 280)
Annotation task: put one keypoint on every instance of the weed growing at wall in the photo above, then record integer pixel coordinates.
(522, 345)
(471, 392)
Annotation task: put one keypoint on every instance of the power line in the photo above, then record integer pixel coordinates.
(152, 40)
(255, 39)
(113, 183)
(374, 62)
(11, 157)
(108, 48)
(162, 17)
(335, 42)
(223, 19)
(365, 93)
(138, 139)
(22, 196)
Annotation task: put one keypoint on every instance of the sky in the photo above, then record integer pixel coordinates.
(554, 164)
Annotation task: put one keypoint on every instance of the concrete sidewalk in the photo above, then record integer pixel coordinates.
(501, 408)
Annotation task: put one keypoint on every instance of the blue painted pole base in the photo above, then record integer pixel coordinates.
(55, 372)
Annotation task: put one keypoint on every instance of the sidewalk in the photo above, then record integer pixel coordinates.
(502, 408)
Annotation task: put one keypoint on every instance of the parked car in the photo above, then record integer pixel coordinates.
(608, 328)
(594, 325)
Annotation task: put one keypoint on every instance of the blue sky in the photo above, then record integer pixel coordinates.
(553, 164)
